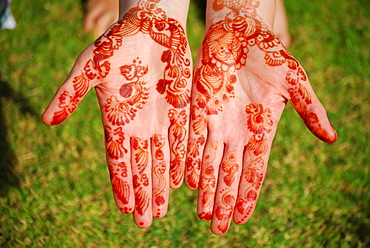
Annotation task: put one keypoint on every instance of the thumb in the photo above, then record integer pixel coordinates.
(308, 106)
(72, 91)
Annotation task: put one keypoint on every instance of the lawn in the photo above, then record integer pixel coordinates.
(54, 182)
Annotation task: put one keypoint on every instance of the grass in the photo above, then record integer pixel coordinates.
(54, 186)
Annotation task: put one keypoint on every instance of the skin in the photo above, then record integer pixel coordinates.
(141, 71)
(158, 120)
(243, 78)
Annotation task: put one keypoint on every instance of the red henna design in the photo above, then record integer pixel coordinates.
(68, 104)
(224, 212)
(114, 139)
(159, 144)
(225, 50)
(230, 167)
(146, 18)
(140, 148)
(134, 93)
(258, 144)
(193, 171)
(120, 187)
(259, 122)
(159, 190)
(178, 131)
(141, 182)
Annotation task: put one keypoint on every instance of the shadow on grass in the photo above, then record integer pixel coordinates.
(8, 159)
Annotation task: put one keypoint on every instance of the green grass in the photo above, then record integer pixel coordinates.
(54, 183)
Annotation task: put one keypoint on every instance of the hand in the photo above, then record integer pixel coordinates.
(140, 69)
(242, 81)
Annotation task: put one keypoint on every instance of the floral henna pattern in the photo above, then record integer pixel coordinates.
(229, 167)
(178, 132)
(259, 122)
(225, 51)
(141, 154)
(121, 188)
(114, 139)
(159, 169)
(141, 181)
(193, 162)
(142, 203)
(225, 211)
(207, 185)
(134, 95)
(148, 19)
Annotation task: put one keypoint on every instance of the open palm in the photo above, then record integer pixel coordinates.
(242, 81)
(141, 71)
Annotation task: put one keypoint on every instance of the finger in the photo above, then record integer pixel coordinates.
(308, 106)
(177, 137)
(71, 92)
(197, 140)
(261, 124)
(142, 181)
(227, 189)
(252, 177)
(161, 162)
(118, 158)
(208, 178)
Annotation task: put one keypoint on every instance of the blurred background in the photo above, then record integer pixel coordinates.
(54, 182)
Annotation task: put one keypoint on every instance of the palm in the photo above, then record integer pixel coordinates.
(140, 69)
(242, 81)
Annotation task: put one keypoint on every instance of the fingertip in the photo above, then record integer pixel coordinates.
(143, 224)
(46, 119)
(175, 184)
(332, 136)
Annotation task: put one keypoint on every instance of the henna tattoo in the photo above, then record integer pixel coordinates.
(159, 173)
(121, 188)
(133, 92)
(193, 162)
(159, 141)
(141, 154)
(225, 211)
(159, 170)
(230, 167)
(193, 170)
(225, 50)
(207, 185)
(114, 140)
(259, 122)
(140, 178)
(178, 120)
(148, 19)
(141, 183)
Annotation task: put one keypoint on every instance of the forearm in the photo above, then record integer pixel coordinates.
(174, 9)
(261, 9)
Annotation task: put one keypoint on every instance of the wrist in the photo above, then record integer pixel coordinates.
(263, 10)
(161, 8)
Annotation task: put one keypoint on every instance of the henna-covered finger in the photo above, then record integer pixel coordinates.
(208, 178)
(197, 140)
(70, 93)
(227, 189)
(141, 164)
(121, 180)
(160, 174)
(308, 106)
(178, 136)
(261, 125)
(118, 158)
